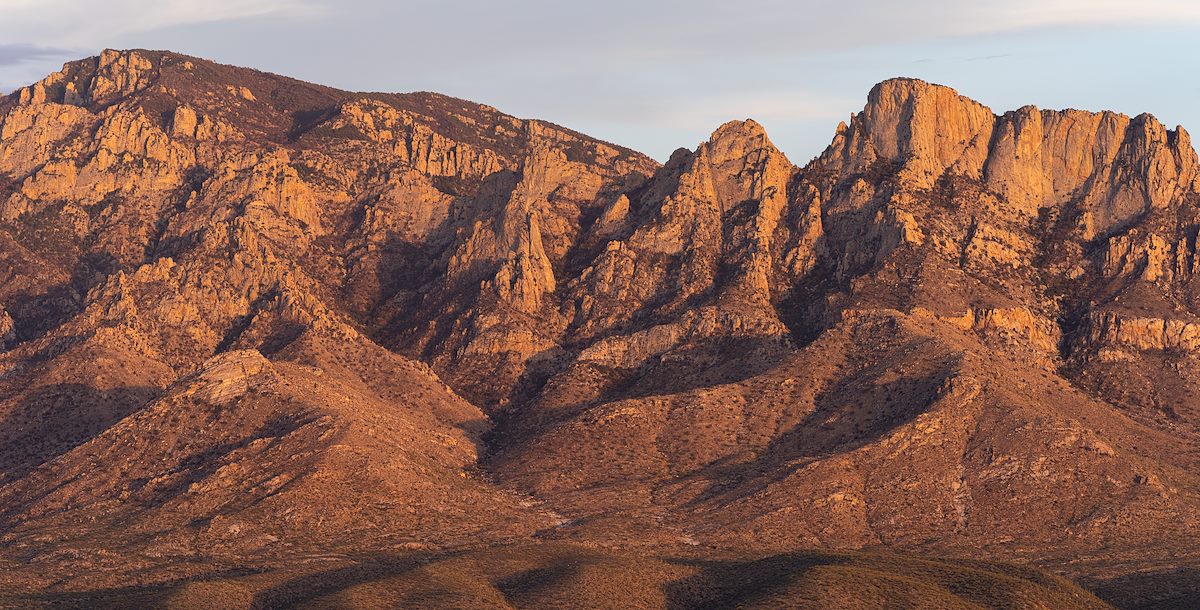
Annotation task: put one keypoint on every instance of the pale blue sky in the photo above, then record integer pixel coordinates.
(657, 76)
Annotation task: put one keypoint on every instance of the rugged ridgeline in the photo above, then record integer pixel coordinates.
(244, 317)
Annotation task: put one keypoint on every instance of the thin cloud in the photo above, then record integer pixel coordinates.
(989, 57)
(664, 31)
(82, 23)
(1042, 13)
(13, 54)
(707, 112)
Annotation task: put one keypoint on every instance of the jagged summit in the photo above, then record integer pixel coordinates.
(287, 321)
(1107, 167)
(277, 108)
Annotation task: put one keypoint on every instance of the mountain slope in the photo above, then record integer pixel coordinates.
(918, 366)
(558, 575)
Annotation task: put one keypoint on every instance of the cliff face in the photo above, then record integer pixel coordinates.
(1086, 220)
(247, 296)
(1105, 168)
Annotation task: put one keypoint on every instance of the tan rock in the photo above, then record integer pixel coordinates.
(1012, 324)
(230, 375)
(527, 274)
(1119, 331)
(930, 129)
(183, 123)
(807, 244)
(120, 73)
(612, 220)
(1149, 257)
(414, 142)
(8, 334)
(1118, 167)
(1113, 167)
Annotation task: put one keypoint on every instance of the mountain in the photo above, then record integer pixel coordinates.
(250, 324)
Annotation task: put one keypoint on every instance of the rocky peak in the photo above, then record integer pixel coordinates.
(751, 174)
(94, 81)
(927, 128)
(731, 139)
(1109, 167)
(746, 164)
(119, 74)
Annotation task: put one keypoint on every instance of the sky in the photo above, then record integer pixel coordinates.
(656, 75)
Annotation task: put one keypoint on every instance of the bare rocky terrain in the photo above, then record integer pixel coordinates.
(276, 344)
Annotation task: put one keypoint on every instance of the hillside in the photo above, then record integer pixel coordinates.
(562, 575)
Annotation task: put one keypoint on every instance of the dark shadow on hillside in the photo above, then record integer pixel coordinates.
(736, 584)
(36, 314)
(312, 586)
(51, 420)
(201, 465)
(854, 412)
(523, 587)
(858, 410)
(706, 363)
(546, 575)
(119, 598)
(1176, 589)
(699, 364)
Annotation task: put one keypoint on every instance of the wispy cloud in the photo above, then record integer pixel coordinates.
(85, 23)
(661, 31)
(706, 111)
(1042, 13)
(13, 54)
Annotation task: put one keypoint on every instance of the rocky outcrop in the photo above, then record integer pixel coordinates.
(186, 122)
(724, 205)
(526, 275)
(1013, 325)
(1113, 167)
(751, 178)
(1151, 257)
(1110, 333)
(8, 333)
(806, 242)
(928, 129)
(95, 81)
(1109, 167)
(273, 183)
(415, 143)
(119, 74)
(230, 376)
(30, 134)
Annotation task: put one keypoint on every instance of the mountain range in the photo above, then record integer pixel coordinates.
(274, 343)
